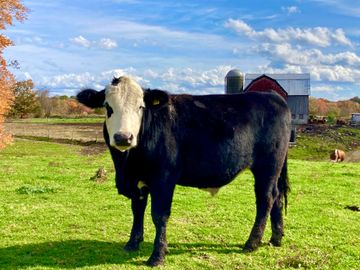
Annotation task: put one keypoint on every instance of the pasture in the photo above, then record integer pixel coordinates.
(53, 216)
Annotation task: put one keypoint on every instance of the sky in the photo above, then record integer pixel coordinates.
(187, 46)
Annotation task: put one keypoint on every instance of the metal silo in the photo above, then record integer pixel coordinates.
(234, 82)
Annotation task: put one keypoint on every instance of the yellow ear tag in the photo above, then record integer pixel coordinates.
(156, 102)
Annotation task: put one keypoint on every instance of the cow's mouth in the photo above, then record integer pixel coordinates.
(122, 148)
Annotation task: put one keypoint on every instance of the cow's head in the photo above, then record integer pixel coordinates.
(125, 102)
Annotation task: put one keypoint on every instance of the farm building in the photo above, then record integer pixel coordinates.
(265, 83)
(355, 118)
(294, 88)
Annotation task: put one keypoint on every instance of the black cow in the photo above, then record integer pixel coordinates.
(158, 140)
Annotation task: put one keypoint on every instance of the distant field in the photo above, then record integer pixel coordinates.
(60, 120)
(52, 216)
(70, 130)
(313, 142)
(316, 142)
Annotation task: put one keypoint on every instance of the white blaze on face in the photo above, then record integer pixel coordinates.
(125, 100)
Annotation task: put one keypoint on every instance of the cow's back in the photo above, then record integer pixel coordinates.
(220, 135)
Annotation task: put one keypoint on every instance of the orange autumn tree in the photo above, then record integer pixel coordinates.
(10, 10)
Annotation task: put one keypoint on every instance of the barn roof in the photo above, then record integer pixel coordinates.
(263, 80)
(293, 84)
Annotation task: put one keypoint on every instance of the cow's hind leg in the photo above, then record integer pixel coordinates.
(138, 206)
(279, 193)
(277, 224)
(264, 182)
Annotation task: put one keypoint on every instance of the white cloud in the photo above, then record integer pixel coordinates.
(139, 34)
(327, 88)
(291, 9)
(173, 80)
(188, 80)
(104, 43)
(303, 57)
(318, 36)
(338, 67)
(240, 26)
(107, 43)
(81, 41)
(333, 92)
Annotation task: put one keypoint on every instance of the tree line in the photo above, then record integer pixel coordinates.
(334, 109)
(38, 103)
(35, 103)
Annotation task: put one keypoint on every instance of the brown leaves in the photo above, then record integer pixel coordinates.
(9, 10)
(340, 109)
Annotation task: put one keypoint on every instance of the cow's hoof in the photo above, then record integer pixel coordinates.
(250, 246)
(275, 242)
(155, 261)
(132, 246)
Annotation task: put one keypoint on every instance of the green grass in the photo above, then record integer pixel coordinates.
(52, 216)
(318, 145)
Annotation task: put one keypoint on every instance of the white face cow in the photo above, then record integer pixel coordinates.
(124, 103)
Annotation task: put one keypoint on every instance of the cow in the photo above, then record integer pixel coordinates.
(159, 140)
(337, 155)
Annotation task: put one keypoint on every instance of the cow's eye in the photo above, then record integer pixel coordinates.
(141, 108)
(109, 110)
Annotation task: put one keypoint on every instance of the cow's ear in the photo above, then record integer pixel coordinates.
(156, 99)
(91, 98)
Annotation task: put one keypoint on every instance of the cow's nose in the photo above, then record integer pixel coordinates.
(123, 138)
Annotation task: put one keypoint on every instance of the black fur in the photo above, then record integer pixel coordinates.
(91, 98)
(116, 81)
(205, 141)
(109, 110)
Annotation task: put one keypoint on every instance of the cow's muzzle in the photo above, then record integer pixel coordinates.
(123, 139)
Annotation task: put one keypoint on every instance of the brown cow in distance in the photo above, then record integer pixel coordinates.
(337, 155)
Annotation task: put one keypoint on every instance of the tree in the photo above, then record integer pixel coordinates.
(45, 103)
(356, 99)
(9, 10)
(26, 102)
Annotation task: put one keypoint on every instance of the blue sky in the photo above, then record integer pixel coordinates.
(187, 46)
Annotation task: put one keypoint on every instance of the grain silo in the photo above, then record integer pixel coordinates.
(234, 82)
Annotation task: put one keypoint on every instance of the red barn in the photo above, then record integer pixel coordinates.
(266, 84)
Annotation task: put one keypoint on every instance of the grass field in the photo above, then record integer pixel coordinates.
(52, 216)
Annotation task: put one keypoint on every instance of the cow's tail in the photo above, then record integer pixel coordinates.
(283, 184)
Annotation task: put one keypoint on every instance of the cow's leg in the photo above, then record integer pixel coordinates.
(264, 182)
(138, 206)
(161, 199)
(277, 224)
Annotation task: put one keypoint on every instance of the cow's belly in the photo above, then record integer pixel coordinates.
(214, 166)
(210, 176)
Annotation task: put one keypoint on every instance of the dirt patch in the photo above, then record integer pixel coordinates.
(71, 132)
(94, 149)
(353, 156)
(100, 175)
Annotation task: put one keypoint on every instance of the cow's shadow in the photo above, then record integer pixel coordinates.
(80, 253)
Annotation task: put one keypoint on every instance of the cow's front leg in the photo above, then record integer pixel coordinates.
(161, 200)
(138, 206)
